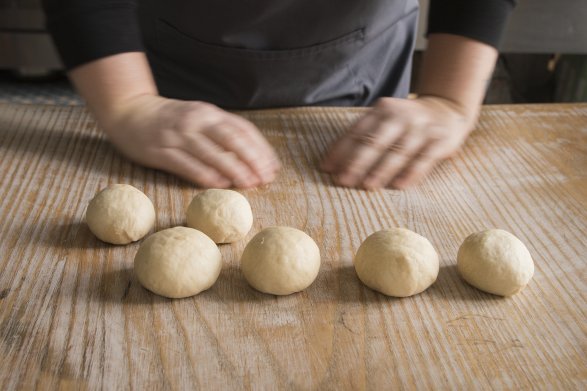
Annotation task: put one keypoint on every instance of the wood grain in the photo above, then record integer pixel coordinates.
(73, 316)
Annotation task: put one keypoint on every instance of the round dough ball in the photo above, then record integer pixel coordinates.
(281, 261)
(495, 261)
(223, 215)
(120, 214)
(397, 262)
(178, 262)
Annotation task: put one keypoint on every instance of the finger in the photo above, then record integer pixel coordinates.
(419, 167)
(368, 150)
(234, 140)
(225, 162)
(186, 166)
(399, 155)
(268, 156)
(269, 163)
(341, 148)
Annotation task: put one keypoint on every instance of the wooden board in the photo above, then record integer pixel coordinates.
(73, 315)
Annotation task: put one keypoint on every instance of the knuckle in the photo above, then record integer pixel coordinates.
(428, 154)
(227, 161)
(399, 150)
(419, 122)
(229, 156)
(196, 118)
(220, 134)
(234, 139)
(416, 170)
(394, 164)
(382, 104)
(245, 124)
(165, 137)
(163, 155)
(188, 122)
(202, 106)
(387, 107)
(367, 139)
(208, 156)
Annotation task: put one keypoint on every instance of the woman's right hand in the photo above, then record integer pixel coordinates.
(195, 140)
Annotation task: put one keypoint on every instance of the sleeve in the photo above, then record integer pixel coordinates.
(86, 30)
(482, 20)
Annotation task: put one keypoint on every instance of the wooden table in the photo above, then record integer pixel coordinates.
(72, 313)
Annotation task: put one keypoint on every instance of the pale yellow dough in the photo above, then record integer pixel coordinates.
(495, 261)
(397, 262)
(281, 261)
(178, 262)
(120, 214)
(224, 215)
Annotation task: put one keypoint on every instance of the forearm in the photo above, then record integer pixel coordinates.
(457, 69)
(101, 47)
(108, 84)
(197, 141)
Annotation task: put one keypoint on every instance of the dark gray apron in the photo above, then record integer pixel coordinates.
(242, 54)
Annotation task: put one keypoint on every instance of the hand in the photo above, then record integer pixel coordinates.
(195, 140)
(398, 142)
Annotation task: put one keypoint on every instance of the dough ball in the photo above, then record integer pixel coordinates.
(397, 262)
(223, 215)
(281, 260)
(495, 261)
(120, 214)
(178, 262)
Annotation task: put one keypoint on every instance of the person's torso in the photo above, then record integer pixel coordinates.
(260, 53)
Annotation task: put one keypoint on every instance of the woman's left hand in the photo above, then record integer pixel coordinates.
(398, 142)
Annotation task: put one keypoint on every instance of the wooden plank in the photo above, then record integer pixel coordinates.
(73, 315)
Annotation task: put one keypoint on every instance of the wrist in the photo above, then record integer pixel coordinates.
(468, 113)
(112, 84)
(456, 70)
(120, 110)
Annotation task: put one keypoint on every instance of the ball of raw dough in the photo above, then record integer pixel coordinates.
(120, 214)
(178, 262)
(223, 215)
(397, 262)
(281, 260)
(495, 261)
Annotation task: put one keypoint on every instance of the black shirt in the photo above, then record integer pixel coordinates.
(86, 30)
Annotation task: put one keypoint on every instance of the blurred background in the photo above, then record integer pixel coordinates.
(543, 55)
